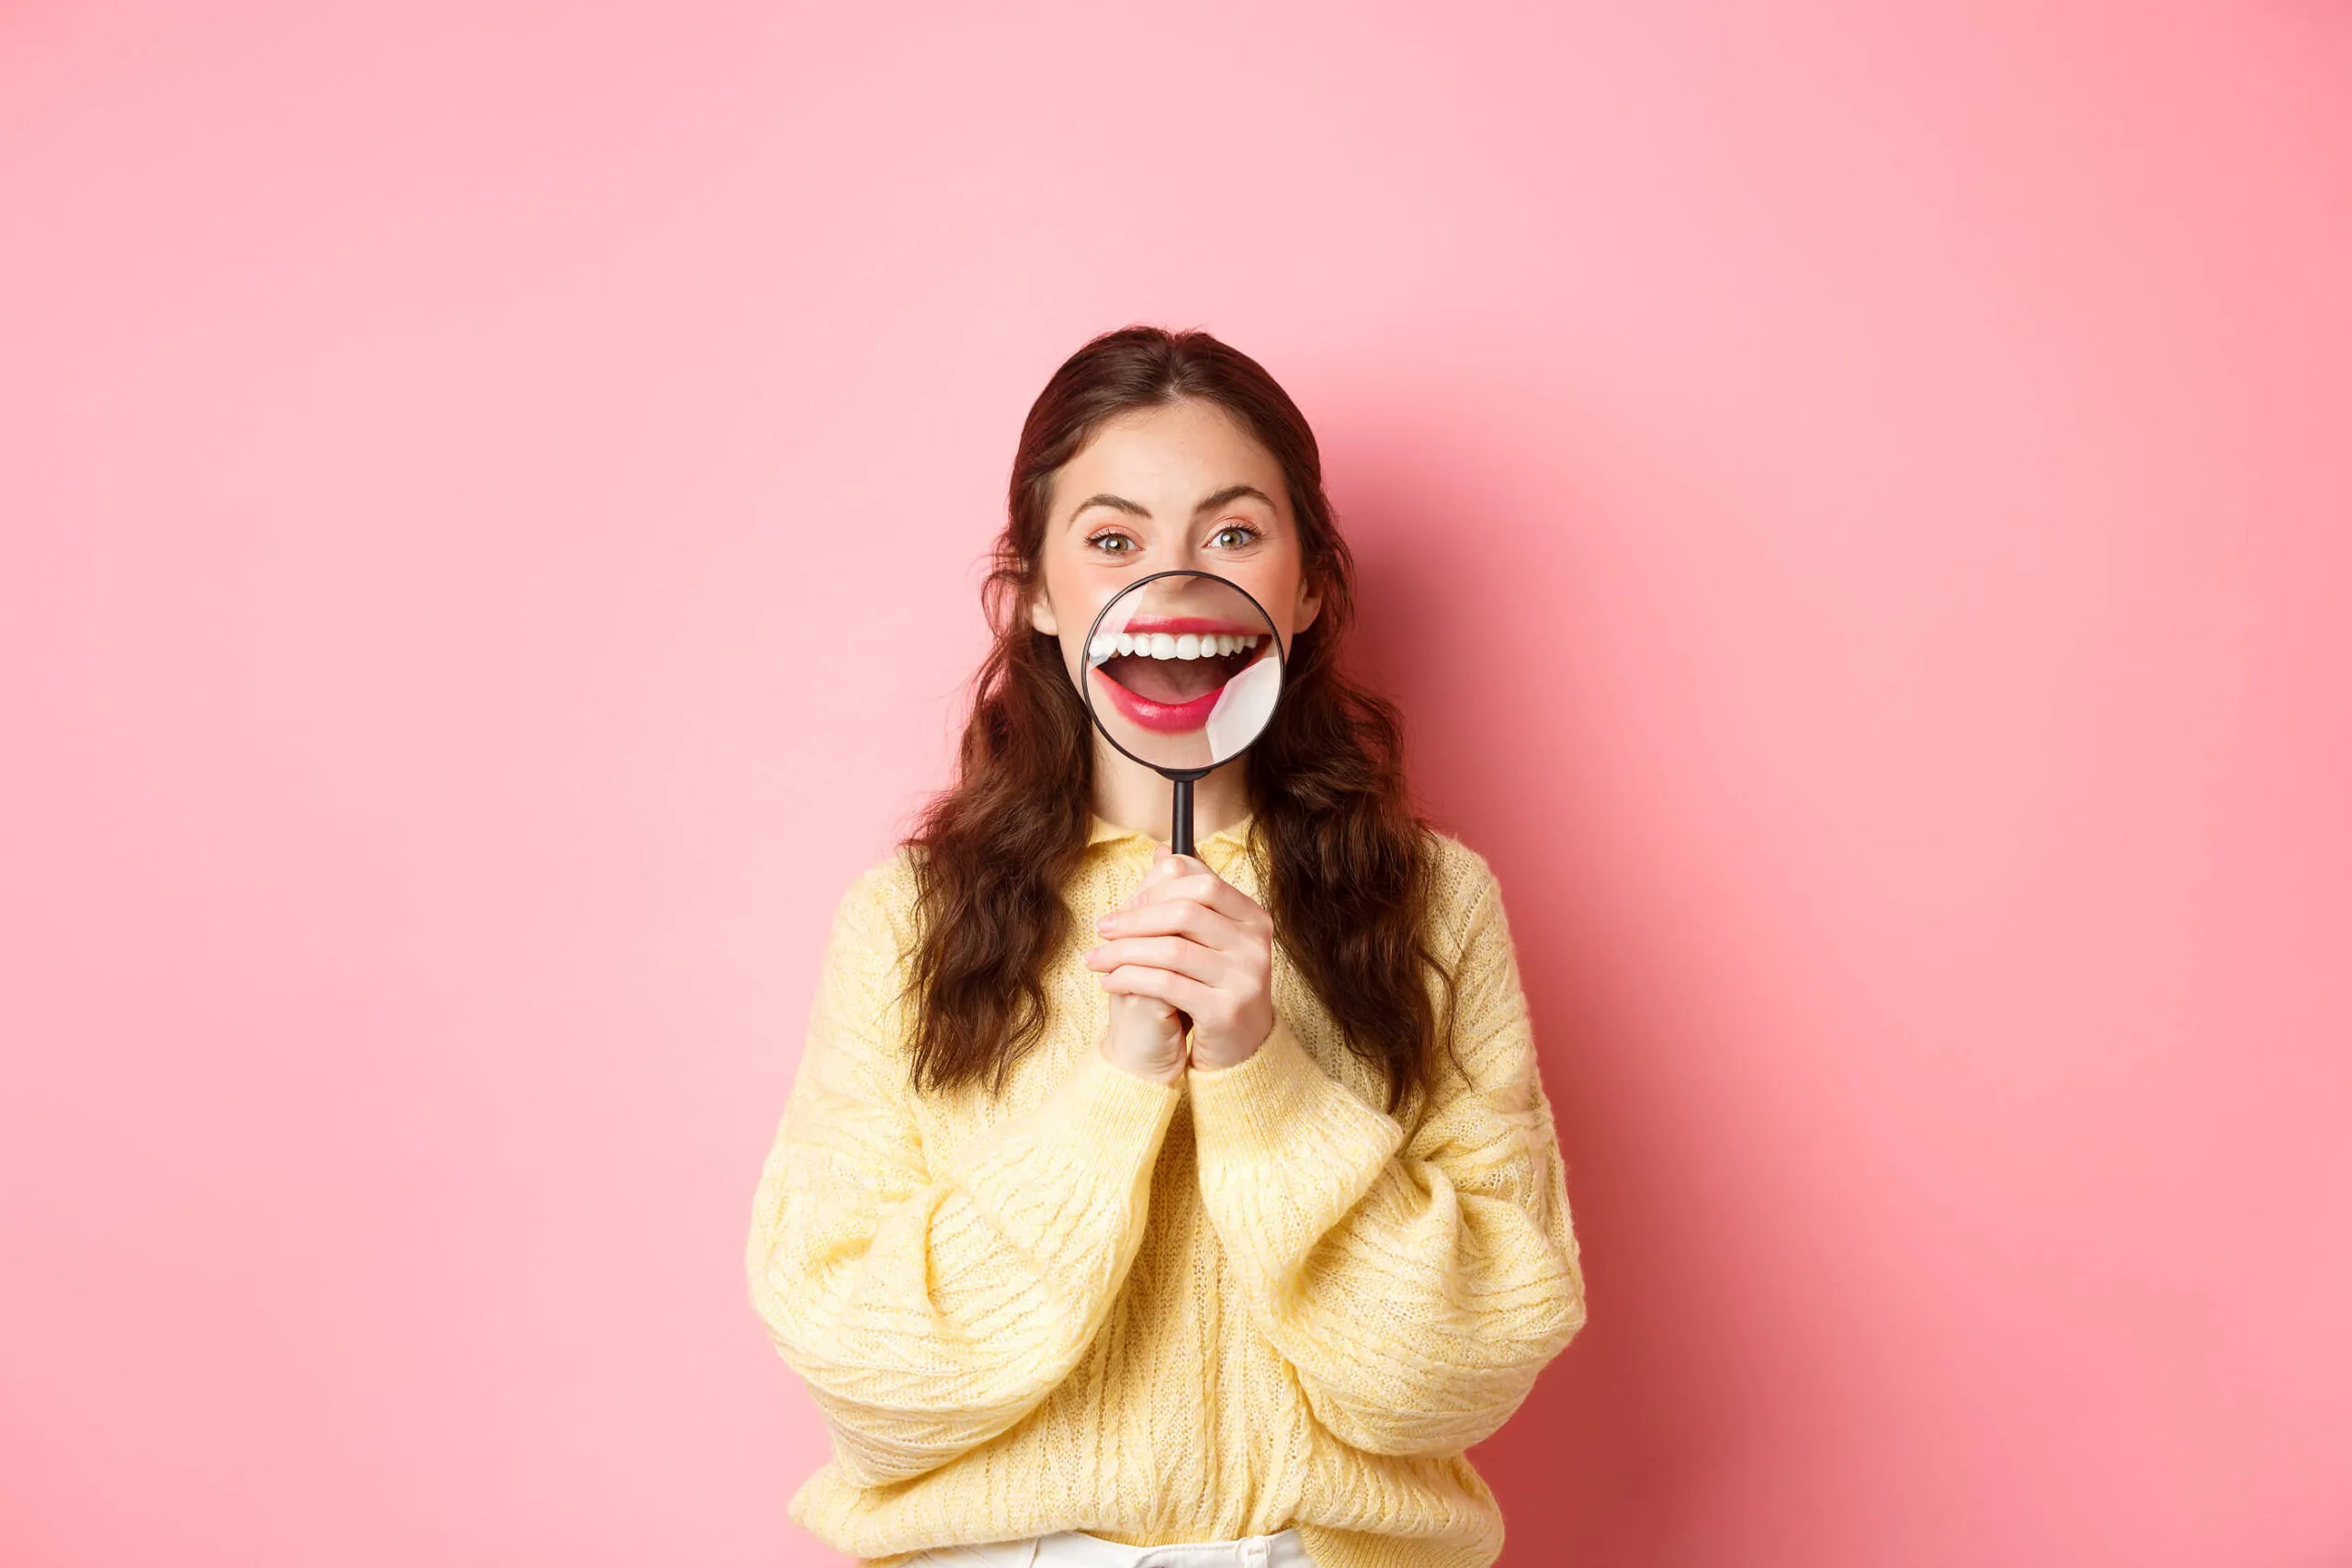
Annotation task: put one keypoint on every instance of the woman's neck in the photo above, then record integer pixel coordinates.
(1128, 795)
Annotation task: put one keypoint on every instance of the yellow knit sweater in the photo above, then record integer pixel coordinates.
(1163, 1313)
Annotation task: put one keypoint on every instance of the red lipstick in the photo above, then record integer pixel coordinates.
(1192, 713)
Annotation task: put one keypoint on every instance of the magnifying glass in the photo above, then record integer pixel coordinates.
(1183, 671)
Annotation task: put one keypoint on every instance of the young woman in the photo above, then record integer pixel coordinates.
(1132, 1209)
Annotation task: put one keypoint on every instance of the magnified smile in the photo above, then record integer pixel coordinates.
(1164, 672)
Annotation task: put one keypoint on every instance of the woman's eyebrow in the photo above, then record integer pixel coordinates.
(1116, 502)
(1232, 493)
(1121, 504)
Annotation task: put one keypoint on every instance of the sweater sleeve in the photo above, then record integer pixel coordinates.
(1416, 1284)
(929, 1309)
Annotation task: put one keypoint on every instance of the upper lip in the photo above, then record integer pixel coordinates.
(1177, 626)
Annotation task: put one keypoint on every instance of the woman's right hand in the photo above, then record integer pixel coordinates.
(1145, 1035)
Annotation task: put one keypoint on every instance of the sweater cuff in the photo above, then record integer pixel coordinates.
(1099, 1128)
(1068, 1182)
(1286, 1150)
(1256, 1107)
(1111, 1117)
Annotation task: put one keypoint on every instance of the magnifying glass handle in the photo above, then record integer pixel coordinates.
(1180, 819)
(1179, 842)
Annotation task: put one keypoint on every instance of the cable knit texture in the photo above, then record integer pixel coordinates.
(1163, 1313)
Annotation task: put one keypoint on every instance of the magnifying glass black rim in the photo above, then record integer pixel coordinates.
(1086, 687)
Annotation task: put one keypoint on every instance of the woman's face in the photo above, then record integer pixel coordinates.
(1179, 486)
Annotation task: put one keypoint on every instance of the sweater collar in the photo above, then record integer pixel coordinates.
(1099, 831)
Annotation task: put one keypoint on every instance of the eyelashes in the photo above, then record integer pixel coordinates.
(1126, 545)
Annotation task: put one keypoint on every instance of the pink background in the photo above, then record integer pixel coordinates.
(1854, 499)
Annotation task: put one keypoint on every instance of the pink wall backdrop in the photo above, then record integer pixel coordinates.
(1855, 499)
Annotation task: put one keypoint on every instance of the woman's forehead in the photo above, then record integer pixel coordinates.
(1176, 455)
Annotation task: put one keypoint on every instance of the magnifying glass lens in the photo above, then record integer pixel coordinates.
(1183, 671)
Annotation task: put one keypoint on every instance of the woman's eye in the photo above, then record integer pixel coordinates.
(1112, 543)
(1233, 535)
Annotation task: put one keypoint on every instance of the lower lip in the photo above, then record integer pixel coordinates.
(1166, 719)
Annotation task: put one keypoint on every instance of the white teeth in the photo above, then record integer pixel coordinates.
(1102, 648)
(1161, 645)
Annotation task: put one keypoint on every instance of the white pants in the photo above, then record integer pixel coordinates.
(1075, 1549)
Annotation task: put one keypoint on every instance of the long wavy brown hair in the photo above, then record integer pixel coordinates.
(1348, 858)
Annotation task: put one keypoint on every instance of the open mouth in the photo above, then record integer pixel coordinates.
(1164, 672)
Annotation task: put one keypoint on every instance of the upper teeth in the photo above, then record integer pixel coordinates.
(1160, 645)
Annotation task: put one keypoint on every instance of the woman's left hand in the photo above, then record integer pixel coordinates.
(1202, 946)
